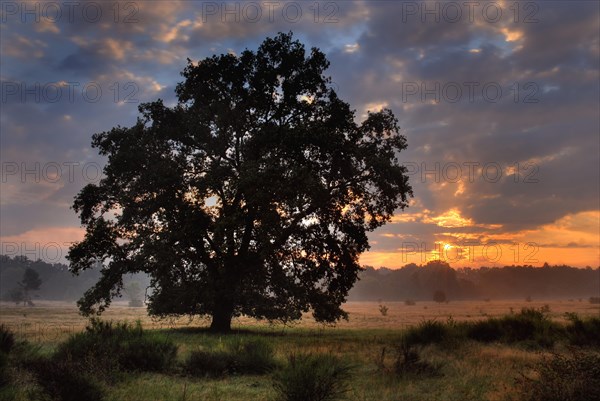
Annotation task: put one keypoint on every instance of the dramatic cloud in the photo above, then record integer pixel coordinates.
(498, 100)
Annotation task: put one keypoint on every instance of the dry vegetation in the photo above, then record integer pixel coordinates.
(368, 342)
(51, 322)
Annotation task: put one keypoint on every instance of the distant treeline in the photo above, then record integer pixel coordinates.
(58, 284)
(417, 282)
(411, 282)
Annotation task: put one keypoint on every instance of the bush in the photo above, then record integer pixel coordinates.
(428, 332)
(4, 379)
(530, 326)
(439, 296)
(65, 381)
(136, 303)
(239, 357)
(583, 332)
(108, 347)
(214, 364)
(308, 377)
(564, 378)
(409, 302)
(485, 330)
(255, 356)
(409, 363)
(7, 339)
(594, 300)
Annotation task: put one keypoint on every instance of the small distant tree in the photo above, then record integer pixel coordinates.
(134, 292)
(439, 296)
(31, 282)
(16, 295)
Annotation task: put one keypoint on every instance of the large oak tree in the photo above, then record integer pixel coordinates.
(253, 195)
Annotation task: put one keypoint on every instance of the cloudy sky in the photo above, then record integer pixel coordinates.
(499, 102)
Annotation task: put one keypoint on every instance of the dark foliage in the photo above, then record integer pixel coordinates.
(409, 363)
(318, 377)
(210, 363)
(439, 296)
(575, 377)
(429, 332)
(109, 347)
(240, 357)
(65, 380)
(420, 282)
(583, 332)
(486, 331)
(7, 339)
(265, 181)
(530, 327)
(4, 378)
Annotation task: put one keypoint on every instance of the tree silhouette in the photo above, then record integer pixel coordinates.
(253, 195)
(134, 292)
(16, 295)
(439, 296)
(31, 282)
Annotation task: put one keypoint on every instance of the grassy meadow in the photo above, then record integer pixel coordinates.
(369, 343)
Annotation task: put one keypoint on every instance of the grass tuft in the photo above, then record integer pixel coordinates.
(240, 356)
(313, 377)
(107, 347)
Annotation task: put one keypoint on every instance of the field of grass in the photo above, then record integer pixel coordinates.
(368, 342)
(52, 322)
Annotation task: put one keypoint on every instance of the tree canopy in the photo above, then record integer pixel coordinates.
(252, 195)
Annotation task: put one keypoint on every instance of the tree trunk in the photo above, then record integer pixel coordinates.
(221, 320)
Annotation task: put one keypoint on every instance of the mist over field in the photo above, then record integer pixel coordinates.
(411, 282)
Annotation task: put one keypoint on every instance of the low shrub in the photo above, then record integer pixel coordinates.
(563, 378)
(4, 378)
(108, 347)
(240, 356)
(583, 333)
(485, 330)
(313, 377)
(428, 332)
(531, 327)
(210, 363)
(409, 363)
(65, 381)
(7, 339)
(254, 356)
(410, 302)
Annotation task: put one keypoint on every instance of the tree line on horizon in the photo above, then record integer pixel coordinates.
(410, 282)
(420, 282)
(57, 283)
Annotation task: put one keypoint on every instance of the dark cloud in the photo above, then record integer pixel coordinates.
(376, 49)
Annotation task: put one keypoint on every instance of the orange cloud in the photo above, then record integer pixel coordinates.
(50, 244)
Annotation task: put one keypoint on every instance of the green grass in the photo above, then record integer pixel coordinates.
(464, 368)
